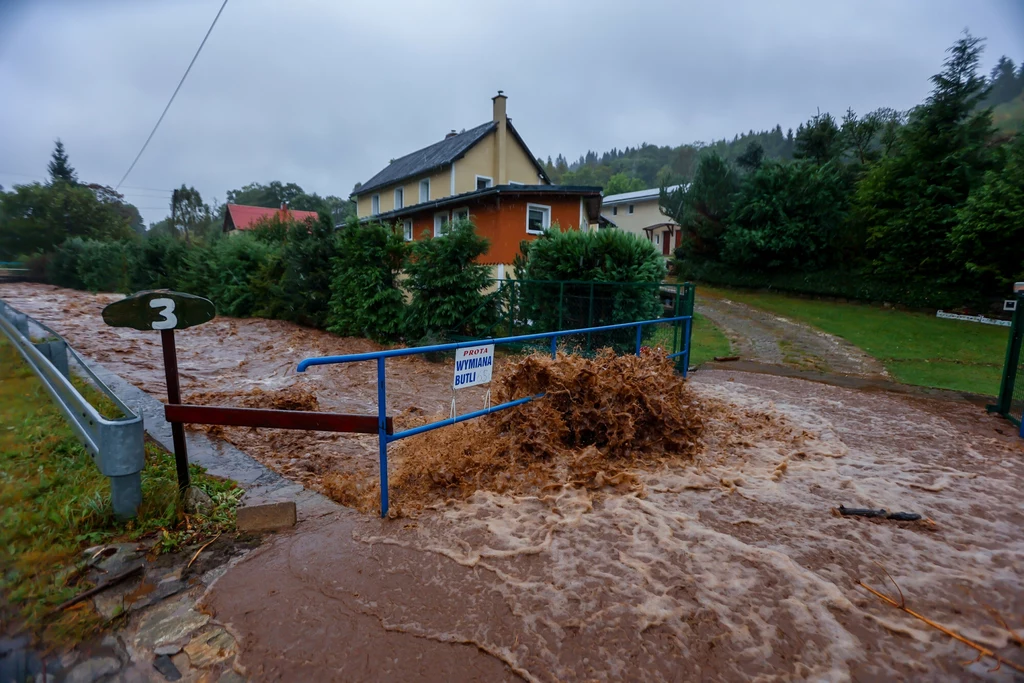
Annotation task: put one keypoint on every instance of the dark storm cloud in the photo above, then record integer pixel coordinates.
(325, 93)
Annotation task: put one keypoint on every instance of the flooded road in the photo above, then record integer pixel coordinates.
(735, 567)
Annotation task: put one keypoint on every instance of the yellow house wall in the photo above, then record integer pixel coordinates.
(479, 160)
(440, 187)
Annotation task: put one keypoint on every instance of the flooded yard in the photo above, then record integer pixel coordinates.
(731, 564)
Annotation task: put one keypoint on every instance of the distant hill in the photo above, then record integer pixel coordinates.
(653, 166)
(1009, 116)
(656, 166)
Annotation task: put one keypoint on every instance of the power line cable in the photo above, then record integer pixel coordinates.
(175, 94)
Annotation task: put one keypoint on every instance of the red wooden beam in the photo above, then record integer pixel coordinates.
(277, 419)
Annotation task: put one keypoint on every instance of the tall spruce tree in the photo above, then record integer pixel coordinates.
(59, 167)
(909, 200)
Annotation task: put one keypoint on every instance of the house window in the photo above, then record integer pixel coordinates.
(460, 215)
(399, 198)
(630, 209)
(375, 205)
(425, 190)
(615, 211)
(407, 229)
(483, 182)
(657, 238)
(441, 221)
(538, 218)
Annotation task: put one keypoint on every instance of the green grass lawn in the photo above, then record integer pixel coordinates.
(54, 503)
(916, 348)
(707, 341)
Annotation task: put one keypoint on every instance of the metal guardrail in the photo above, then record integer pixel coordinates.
(116, 445)
(385, 436)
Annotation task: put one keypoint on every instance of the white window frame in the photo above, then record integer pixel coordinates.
(546, 222)
(425, 184)
(456, 212)
(476, 182)
(629, 210)
(399, 197)
(446, 219)
(407, 229)
(375, 205)
(657, 238)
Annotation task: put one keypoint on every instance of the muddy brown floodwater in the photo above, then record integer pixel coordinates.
(733, 567)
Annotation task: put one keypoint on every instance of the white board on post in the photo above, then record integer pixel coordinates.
(473, 365)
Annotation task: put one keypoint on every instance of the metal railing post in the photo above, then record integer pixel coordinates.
(55, 351)
(1005, 403)
(639, 334)
(382, 434)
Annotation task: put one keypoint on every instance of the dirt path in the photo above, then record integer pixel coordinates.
(764, 337)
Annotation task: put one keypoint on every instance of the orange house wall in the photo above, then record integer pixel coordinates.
(502, 221)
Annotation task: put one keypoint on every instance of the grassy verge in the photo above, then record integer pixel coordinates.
(54, 503)
(707, 341)
(916, 348)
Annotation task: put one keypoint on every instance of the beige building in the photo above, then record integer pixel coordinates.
(639, 213)
(489, 155)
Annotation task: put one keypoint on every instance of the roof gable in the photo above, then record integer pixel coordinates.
(439, 154)
(428, 158)
(638, 196)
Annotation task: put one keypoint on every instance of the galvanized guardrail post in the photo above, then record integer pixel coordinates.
(117, 446)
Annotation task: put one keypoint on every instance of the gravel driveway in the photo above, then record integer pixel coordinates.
(764, 337)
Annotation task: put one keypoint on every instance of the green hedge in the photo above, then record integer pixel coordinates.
(844, 284)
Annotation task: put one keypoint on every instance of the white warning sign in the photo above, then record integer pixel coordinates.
(473, 365)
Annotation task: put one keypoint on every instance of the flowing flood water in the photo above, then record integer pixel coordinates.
(734, 566)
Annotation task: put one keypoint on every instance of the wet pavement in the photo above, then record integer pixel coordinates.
(735, 567)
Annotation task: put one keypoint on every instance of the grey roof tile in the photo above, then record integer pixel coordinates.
(428, 158)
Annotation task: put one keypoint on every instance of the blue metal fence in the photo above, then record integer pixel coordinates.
(381, 356)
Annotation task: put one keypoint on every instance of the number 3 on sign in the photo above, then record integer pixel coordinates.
(169, 320)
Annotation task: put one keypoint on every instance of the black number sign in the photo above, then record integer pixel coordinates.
(159, 310)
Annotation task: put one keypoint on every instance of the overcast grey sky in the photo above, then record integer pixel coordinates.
(324, 93)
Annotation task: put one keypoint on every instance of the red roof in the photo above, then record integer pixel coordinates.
(245, 217)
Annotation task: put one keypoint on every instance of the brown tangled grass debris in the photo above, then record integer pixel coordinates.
(600, 419)
(297, 396)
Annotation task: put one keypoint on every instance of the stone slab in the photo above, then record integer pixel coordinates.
(267, 517)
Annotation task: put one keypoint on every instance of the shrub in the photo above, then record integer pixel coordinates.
(365, 297)
(787, 216)
(63, 268)
(94, 265)
(107, 266)
(226, 270)
(598, 259)
(447, 285)
(159, 263)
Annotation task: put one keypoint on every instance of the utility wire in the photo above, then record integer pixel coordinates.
(175, 94)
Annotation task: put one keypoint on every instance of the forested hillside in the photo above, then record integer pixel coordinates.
(923, 208)
(645, 166)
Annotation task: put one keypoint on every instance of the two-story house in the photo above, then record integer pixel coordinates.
(486, 174)
(639, 213)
